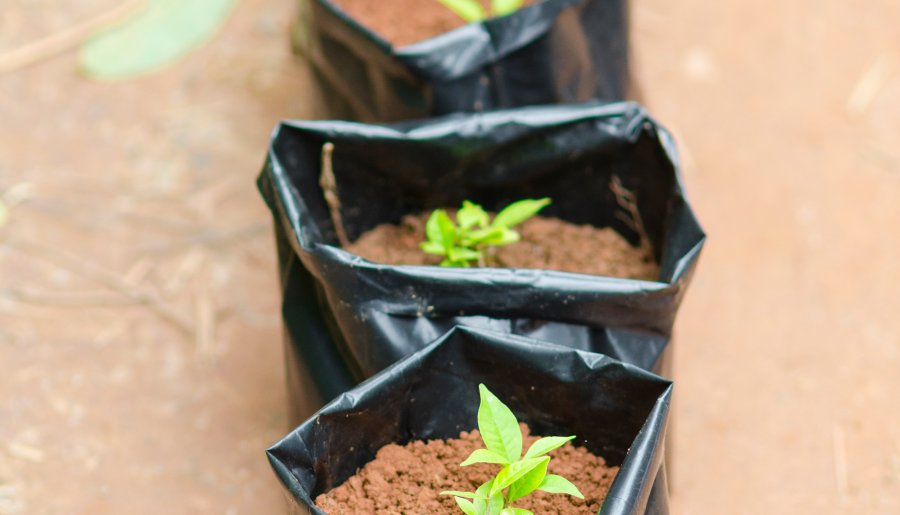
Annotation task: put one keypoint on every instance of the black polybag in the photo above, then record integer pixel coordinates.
(347, 318)
(616, 411)
(553, 51)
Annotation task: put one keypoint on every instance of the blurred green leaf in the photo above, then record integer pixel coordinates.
(518, 212)
(559, 485)
(504, 7)
(153, 38)
(469, 10)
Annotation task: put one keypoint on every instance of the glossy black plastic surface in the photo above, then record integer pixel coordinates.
(348, 318)
(553, 51)
(616, 410)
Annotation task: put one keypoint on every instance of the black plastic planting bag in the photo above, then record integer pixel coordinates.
(348, 318)
(553, 51)
(616, 410)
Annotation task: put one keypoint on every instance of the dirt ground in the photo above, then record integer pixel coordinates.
(140, 353)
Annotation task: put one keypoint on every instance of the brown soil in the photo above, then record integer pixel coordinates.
(408, 479)
(403, 22)
(547, 243)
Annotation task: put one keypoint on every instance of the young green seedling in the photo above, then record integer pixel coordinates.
(471, 10)
(520, 475)
(463, 242)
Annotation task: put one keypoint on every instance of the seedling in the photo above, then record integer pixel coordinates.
(520, 475)
(465, 240)
(471, 10)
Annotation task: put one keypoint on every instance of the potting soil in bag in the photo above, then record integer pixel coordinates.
(615, 410)
(553, 51)
(347, 318)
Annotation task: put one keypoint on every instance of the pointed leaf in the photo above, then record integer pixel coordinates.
(433, 228)
(463, 254)
(502, 236)
(498, 426)
(559, 485)
(484, 456)
(486, 502)
(432, 247)
(466, 506)
(484, 235)
(504, 7)
(544, 445)
(516, 511)
(512, 472)
(447, 228)
(469, 10)
(518, 212)
(484, 491)
(155, 36)
(528, 483)
(495, 503)
(471, 215)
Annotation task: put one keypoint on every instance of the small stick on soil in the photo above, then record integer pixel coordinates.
(329, 189)
(68, 299)
(627, 200)
(840, 463)
(208, 238)
(103, 277)
(205, 315)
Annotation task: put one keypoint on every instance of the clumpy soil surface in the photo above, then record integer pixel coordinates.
(409, 479)
(403, 22)
(547, 243)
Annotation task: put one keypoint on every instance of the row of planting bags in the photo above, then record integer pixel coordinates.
(570, 353)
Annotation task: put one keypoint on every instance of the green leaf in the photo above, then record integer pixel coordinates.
(516, 511)
(498, 426)
(471, 215)
(154, 37)
(501, 236)
(463, 254)
(486, 502)
(469, 10)
(484, 456)
(529, 482)
(484, 491)
(466, 506)
(431, 247)
(504, 7)
(447, 229)
(468, 495)
(544, 445)
(512, 472)
(517, 212)
(479, 236)
(559, 485)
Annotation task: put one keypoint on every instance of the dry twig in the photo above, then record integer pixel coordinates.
(64, 40)
(627, 200)
(105, 278)
(329, 190)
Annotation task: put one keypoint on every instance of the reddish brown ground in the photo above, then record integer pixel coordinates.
(787, 354)
(547, 243)
(409, 478)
